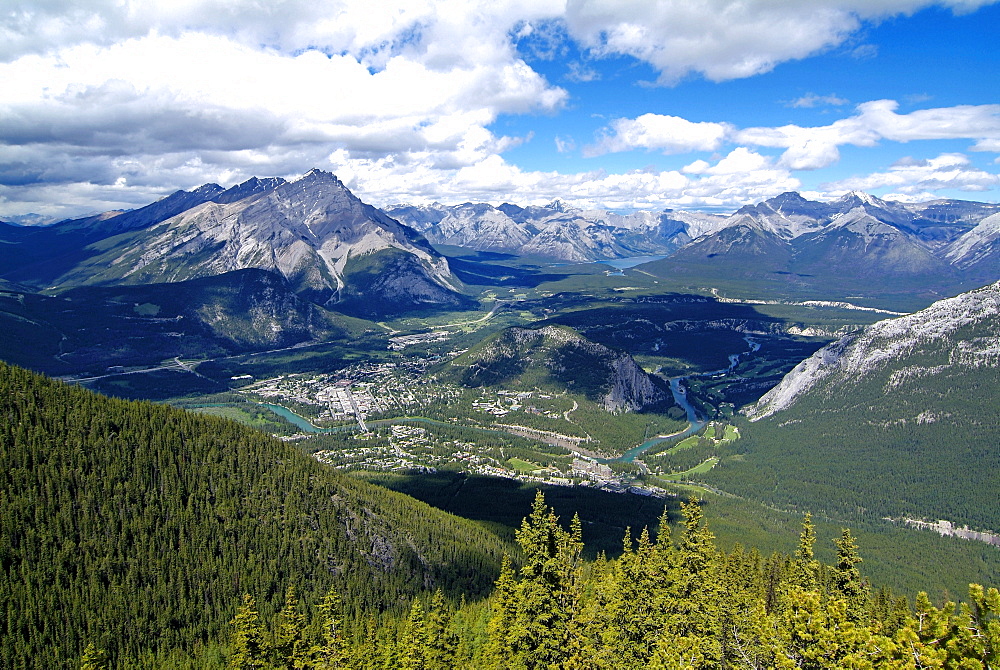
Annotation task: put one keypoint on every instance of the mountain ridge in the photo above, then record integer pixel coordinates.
(855, 356)
(558, 355)
(899, 420)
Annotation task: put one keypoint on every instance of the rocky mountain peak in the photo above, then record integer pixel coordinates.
(860, 198)
(316, 175)
(250, 187)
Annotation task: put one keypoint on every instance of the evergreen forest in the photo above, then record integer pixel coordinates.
(137, 535)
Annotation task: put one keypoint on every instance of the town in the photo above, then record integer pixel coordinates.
(374, 413)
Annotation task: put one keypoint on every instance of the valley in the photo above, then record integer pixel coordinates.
(620, 377)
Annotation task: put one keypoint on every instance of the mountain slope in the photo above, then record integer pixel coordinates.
(306, 231)
(960, 334)
(856, 247)
(743, 248)
(137, 527)
(899, 419)
(88, 329)
(858, 244)
(44, 253)
(559, 357)
(978, 250)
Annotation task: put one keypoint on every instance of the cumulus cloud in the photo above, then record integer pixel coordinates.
(914, 179)
(212, 100)
(735, 179)
(726, 39)
(669, 134)
(810, 148)
(116, 102)
(807, 148)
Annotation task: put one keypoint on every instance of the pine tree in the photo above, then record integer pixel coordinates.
(413, 647)
(538, 615)
(693, 628)
(499, 646)
(288, 648)
(247, 639)
(846, 579)
(441, 640)
(642, 586)
(951, 637)
(94, 658)
(747, 628)
(330, 653)
(820, 636)
(806, 567)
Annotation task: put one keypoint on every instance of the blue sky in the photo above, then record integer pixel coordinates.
(620, 104)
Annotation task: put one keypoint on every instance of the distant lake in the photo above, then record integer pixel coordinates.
(631, 262)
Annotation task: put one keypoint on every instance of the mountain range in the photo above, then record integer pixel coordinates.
(337, 251)
(556, 231)
(964, 233)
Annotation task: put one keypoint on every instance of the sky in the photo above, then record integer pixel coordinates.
(612, 104)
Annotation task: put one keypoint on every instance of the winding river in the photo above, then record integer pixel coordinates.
(695, 420)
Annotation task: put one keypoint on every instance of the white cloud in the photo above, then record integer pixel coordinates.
(807, 148)
(911, 179)
(669, 134)
(959, 122)
(810, 154)
(816, 147)
(810, 100)
(728, 39)
(194, 106)
(116, 102)
(740, 177)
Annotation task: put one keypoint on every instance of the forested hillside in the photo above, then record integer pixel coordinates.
(897, 420)
(135, 527)
(664, 604)
(136, 535)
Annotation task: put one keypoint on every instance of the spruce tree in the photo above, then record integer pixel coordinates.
(500, 642)
(330, 653)
(94, 658)
(846, 579)
(247, 639)
(806, 567)
(288, 648)
(643, 588)
(538, 615)
(441, 640)
(413, 647)
(693, 631)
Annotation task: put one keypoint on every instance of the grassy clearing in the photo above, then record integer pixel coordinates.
(686, 443)
(523, 466)
(700, 469)
(251, 415)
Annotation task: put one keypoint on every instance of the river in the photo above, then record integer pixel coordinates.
(304, 424)
(695, 420)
